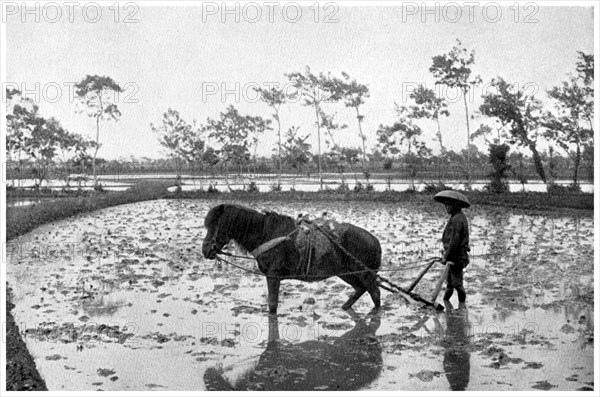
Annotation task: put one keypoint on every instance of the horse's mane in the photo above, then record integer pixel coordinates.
(241, 222)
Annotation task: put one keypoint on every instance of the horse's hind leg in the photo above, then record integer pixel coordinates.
(359, 290)
(373, 289)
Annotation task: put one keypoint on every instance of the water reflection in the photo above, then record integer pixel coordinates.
(457, 357)
(349, 362)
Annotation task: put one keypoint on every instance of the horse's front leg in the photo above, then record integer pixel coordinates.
(273, 284)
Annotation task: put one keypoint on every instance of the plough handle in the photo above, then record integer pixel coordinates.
(420, 276)
(440, 282)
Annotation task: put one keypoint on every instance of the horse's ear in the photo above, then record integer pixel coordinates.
(214, 214)
(219, 209)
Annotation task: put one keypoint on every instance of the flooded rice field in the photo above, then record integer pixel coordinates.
(122, 299)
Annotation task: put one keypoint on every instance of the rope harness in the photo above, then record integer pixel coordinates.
(308, 258)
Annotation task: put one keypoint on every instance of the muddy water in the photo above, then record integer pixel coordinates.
(121, 299)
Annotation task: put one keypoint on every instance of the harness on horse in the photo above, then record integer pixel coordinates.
(309, 242)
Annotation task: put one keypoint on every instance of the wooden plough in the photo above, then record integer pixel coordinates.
(408, 291)
(392, 287)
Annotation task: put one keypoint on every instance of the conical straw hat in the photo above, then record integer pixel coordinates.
(452, 197)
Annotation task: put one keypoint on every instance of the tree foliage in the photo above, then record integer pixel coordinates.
(498, 155)
(404, 132)
(429, 106)
(33, 137)
(571, 126)
(296, 151)
(236, 134)
(520, 113)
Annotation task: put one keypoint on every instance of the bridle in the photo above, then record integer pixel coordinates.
(215, 243)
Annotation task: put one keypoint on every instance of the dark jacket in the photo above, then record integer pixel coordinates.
(456, 239)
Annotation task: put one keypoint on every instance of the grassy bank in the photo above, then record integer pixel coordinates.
(20, 220)
(21, 371)
(535, 201)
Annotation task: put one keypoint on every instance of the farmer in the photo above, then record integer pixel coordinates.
(456, 241)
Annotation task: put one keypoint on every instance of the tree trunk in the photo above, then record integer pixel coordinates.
(364, 145)
(94, 171)
(537, 160)
(442, 149)
(468, 138)
(577, 161)
(319, 146)
(279, 144)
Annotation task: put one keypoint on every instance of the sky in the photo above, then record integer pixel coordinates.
(198, 60)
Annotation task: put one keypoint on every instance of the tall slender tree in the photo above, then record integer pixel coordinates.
(315, 90)
(453, 70)
(429, 106)
(274, 98)
(98, 95)
(354, 94)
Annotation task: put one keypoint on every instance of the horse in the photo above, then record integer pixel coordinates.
(251, 229)
(349, 362)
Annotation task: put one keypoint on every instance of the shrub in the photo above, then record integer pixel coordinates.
(212, 189)
(499, 160)
(432, 188)
(98, 188)
(343, 187)
(276, 188)
(252, 187)
(556, 189)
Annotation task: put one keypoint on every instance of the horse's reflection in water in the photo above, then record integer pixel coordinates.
(457, 358)
(349, 362)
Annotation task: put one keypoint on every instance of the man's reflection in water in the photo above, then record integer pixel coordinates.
(457, 356)
(349, 362)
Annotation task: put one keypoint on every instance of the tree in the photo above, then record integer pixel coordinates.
(97, 94)
(404, 132)
(354, 95)
(47, 138)
(236, 134)
(274, 98)
(520, 113)
(429, 106)
(454, 70)
(181, 139)
(296, 151)
(574, 101)
(315, 89)
(331, 126)
(75, 155)
(19, 114)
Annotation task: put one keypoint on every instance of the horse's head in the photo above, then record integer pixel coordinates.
(216, 237)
